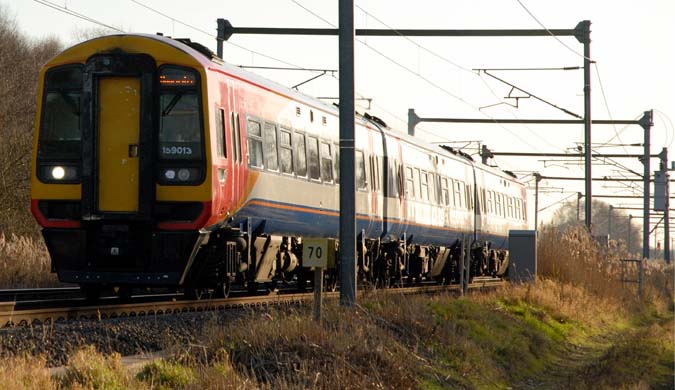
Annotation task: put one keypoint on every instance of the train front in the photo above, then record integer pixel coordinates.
(121, 181)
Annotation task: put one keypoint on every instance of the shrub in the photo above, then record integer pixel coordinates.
(88, 369)
(164, 375)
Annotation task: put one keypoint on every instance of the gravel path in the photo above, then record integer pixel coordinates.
(128, 336)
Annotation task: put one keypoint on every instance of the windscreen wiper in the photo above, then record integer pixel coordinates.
(172, 103)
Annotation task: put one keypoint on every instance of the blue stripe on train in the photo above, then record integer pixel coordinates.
(286, 219)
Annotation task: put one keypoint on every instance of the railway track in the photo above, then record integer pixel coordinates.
(25, 294)
(22, 313)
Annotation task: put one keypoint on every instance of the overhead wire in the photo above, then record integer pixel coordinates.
(669, 125)
(453, 63)
(609, 112)
(417, 74)
(173, 19)
(76, 14)
(550, 33)
(560, 201)
(391, 114)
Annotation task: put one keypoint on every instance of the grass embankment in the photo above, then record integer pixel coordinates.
(569, 330)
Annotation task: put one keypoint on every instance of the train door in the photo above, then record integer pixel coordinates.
(235, 137)
(118, 144)
(118, 133)
(478, 201)
(401, 182)
(375, 162)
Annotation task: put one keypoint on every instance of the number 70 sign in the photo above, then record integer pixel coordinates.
(318, 252)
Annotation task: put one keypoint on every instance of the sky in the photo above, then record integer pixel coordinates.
(633, 47)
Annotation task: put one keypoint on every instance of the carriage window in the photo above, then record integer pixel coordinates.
(490, 197)
(458, 194)
(60, 132)
(270, 145)
(313, 158)
(424, 186)
(360, 170)
(285, 151)
(481, 201)
(236, 133)
(409, 183)
(469, 197)
(300, 155)
(432, 188)
(416, 180)
(326, 163)
(498, 204)
(445, 198)
(336, 149)
(255, 148)
(518, 206)
(392, 176)
(374, 174)
(220, 133)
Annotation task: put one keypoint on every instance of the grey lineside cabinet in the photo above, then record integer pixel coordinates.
(522, 255)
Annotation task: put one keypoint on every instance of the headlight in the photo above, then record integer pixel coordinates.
(60, 174)
(179, 176)
(184, 174)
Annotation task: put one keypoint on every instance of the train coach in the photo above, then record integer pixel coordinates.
(157, 164)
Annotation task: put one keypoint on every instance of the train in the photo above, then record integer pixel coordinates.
(157, 164)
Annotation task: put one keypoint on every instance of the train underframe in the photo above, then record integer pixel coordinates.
(128, 256)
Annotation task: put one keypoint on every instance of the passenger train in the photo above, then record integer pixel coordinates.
(157, 164)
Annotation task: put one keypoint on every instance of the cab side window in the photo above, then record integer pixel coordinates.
(255, 144)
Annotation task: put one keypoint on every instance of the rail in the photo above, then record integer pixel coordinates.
(11, 315)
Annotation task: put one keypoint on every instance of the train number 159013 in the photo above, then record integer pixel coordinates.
(177, 150)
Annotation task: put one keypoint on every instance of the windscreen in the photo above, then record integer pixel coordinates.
(180, 129)
(60, 132)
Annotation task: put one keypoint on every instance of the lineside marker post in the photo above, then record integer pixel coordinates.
(318, 253)
(318, 288)
(467, 267)
(461, 266)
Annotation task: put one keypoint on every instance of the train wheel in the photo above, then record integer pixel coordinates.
(124, 293)
(91, 292)
(223, 289)
(195, 294)
(330, 281)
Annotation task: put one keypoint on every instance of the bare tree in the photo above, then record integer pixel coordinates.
(20, 63)
(566, 217)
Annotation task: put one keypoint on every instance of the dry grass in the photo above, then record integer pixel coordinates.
(572, 257)
(286, 350)
(24, 263)
(25, 373)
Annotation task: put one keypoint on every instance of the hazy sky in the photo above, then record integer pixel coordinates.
(633, 44)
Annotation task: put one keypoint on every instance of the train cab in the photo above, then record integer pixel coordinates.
(123, 174)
